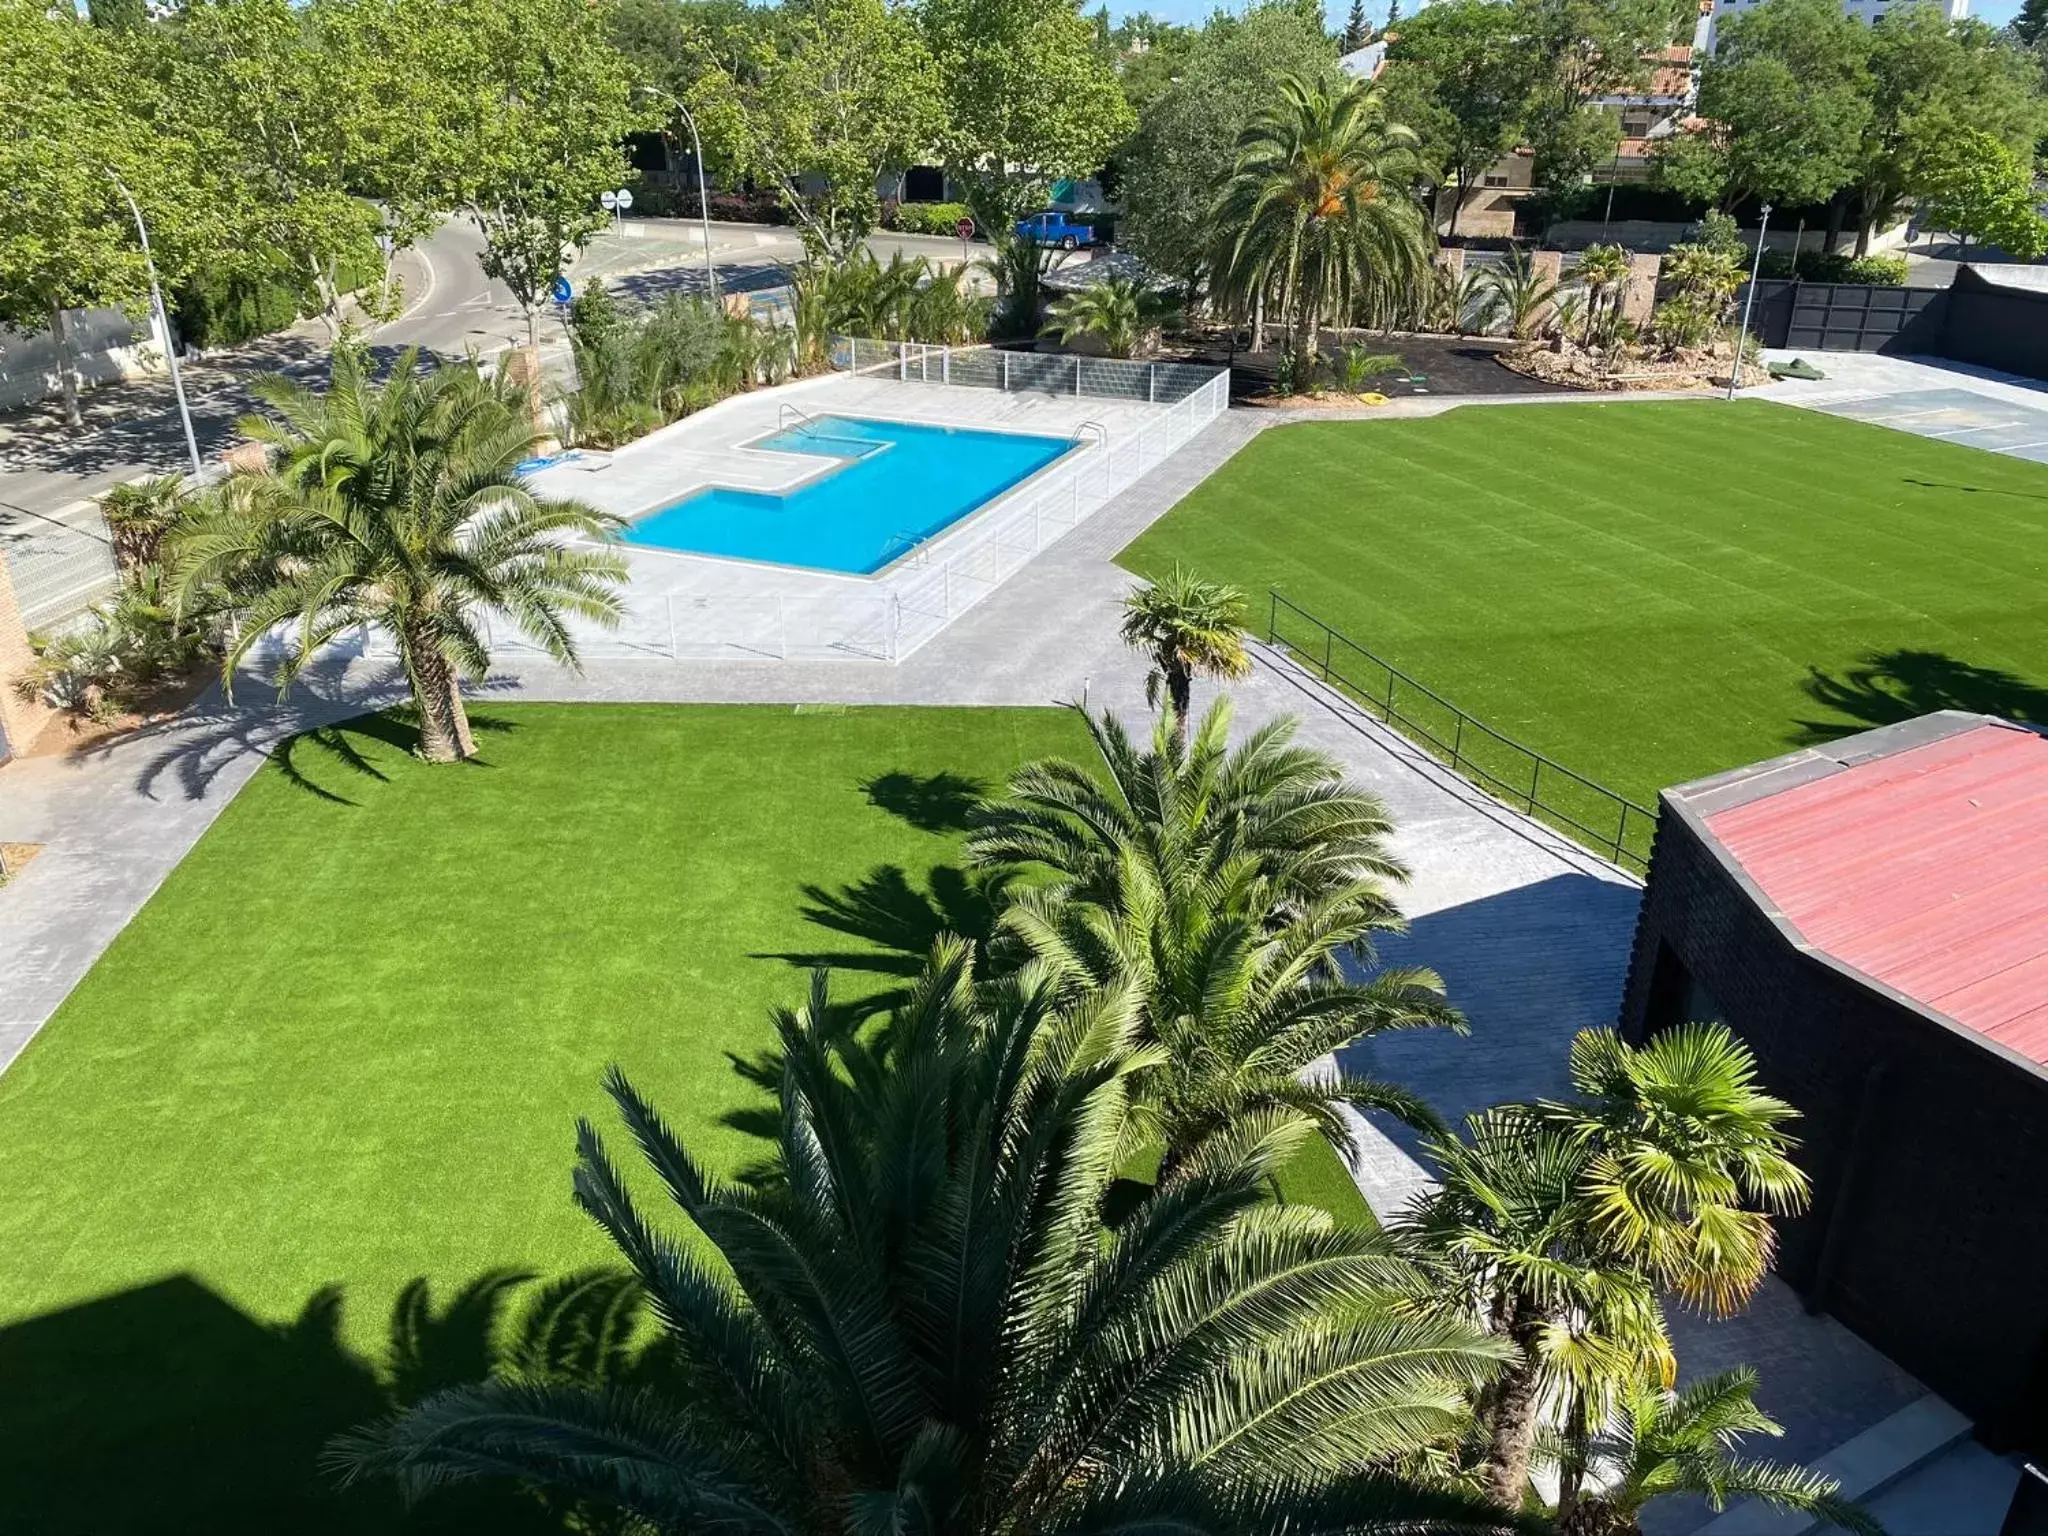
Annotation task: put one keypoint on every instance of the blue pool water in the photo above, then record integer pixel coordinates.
(896, 486)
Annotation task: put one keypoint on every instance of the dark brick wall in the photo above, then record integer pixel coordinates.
(1929, 1229)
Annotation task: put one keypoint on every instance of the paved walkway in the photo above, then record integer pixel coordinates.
(1530, 932)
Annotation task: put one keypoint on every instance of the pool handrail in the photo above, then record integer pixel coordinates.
(782, 416)
(1098, 427)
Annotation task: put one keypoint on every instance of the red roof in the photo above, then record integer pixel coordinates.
(1926, 869)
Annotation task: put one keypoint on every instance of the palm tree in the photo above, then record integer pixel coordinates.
(922, 1324)
(1644, 1183)
(1603, 271)
(1187, 626)
(140, 515)
(1503, 1240)
(1118, 311)
(1188, 814)
(1319, 211)
(1516, 293)
(1250, 1017)
(1693, 1210)
(1660, 1443)
(399, 505)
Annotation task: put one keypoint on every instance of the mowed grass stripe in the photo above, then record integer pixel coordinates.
(1644, 590)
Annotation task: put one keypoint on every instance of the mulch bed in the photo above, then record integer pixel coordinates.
(1437, 365)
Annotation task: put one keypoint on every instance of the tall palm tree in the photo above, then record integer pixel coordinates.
(1660, 1443)
(1649, 1181)
(1187, 626)
(1503, 1239)
(1319, 211)
(923, 1324)
(399, 505)
(1172, 814)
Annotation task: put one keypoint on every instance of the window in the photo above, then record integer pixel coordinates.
(1496, 178)
(1636, 125)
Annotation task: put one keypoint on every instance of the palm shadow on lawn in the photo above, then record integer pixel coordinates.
(322, 761)
(168, 1408)
(1886, 687)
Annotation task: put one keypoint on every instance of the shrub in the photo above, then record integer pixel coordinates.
(213, 310)
(1837, 267)
(929, 218)
(1361, 366)
(101, 667)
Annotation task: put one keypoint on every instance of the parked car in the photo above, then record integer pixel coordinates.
(1053, 227)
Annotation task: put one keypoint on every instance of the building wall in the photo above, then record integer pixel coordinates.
(106, 345)
(1928, 1151)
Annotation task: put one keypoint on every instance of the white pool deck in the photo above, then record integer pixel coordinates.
(701, 607)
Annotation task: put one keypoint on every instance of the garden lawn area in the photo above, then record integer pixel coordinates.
(1647, 591)
(345, 1046)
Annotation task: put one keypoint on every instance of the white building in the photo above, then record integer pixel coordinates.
(1865, 11)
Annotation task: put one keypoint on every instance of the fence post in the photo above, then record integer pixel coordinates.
(1006, 373)
(1328, 635)
(1151, 383)
(902, 363)
(1458, 744)
(1077, 375)
(945, 365)
(1535, 774)
(1272, 616)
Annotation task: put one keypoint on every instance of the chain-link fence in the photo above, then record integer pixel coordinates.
(58, 569)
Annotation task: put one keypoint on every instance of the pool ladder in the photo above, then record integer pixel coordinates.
(802, 415)
(1101, 433)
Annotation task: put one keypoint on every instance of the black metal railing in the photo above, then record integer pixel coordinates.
(1610, 824)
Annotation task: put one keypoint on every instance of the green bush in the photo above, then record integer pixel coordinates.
(221, 311)
(929, 218)
(1837, 267)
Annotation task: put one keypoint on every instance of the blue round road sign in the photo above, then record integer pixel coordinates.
(561, 290)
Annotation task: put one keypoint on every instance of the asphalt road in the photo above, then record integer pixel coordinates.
(450, 308)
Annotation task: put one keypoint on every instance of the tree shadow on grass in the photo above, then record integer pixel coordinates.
(322, 761)
(167, 1408)
(1886, 687)
(937, 802)
(895, 921)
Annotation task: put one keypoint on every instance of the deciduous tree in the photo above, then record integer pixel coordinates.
(1460, 74)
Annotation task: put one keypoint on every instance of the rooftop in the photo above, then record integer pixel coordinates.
(1912, 854)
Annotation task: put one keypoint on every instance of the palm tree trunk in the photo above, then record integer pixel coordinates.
(1179, 690)
(1511, 1436)
(458, 717)
(432, 682)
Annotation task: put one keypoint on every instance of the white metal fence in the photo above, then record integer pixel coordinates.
(1047, 373)
(58, 570)
(887, 617)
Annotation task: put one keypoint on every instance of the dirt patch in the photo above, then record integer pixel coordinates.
(1576, 368)
(14, 858)
(70, 733)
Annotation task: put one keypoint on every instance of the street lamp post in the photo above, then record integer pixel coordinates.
(163, 320)
(703, 198)
(1756, 270)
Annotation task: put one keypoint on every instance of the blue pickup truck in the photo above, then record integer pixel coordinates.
(1054, 227)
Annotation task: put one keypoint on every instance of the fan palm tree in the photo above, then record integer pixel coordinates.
(399, 505)
(923, 1325)
(1603, 272)
(1693, 1210)
(1319, 211)
(1660, 1443)
(1118, 311)
(1503, 1240)
(1179, 814)
(1643, 1184)
(140, 515)
(1187, 626)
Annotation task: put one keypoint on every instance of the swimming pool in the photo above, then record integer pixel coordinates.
(896, 485)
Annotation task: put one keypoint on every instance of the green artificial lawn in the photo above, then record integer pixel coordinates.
(345, 1046)
(1647, 591)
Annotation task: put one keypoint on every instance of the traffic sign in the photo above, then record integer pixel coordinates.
(625, 197)
(964, 229)
(560, 291)
(610, 200)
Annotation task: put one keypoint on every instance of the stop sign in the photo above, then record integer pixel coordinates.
(964, 229)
